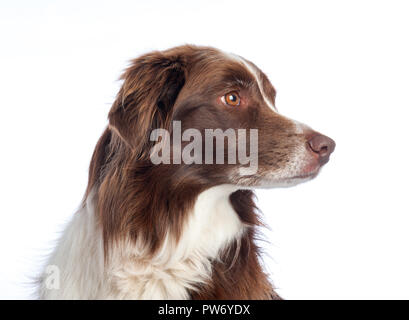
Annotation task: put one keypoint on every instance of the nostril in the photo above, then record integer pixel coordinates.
(323, 151)
(321, 145)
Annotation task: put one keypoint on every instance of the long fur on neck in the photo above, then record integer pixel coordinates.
(138, 236)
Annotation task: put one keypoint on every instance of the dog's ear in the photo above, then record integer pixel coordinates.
(144, 103)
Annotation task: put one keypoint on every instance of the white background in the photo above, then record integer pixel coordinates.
(341, 67)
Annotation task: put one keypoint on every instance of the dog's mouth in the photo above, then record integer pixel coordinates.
(308, 175)
(284, 182)
(298, 178)
(309, 171)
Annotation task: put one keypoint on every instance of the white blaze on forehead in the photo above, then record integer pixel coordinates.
(299, 127)
(252, 70)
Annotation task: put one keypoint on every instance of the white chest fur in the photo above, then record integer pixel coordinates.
(174, 270)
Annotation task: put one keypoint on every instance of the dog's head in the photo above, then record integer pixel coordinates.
(202, 88)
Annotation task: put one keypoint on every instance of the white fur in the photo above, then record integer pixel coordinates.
(129, 272)
(79, 258)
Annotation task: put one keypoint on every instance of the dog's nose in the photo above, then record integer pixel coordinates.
(323, 146)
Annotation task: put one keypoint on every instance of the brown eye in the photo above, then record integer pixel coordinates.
(232, 99)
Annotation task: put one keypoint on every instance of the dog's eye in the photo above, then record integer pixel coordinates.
(231, 99)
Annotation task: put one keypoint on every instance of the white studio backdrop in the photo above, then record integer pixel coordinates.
(341, 67)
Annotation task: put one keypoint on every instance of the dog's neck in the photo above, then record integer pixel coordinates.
(179, 267)
(166, 233)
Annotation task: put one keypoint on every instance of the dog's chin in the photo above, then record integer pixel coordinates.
(270, 182)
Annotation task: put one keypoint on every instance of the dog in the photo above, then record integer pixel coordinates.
(181, 229)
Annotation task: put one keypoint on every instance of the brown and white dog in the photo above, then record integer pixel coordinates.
(180, 230)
